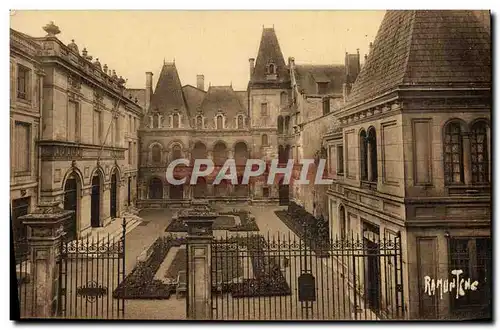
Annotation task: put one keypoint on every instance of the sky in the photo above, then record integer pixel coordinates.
(216, 44)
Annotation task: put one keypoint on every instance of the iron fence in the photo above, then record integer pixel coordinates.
(280, 278)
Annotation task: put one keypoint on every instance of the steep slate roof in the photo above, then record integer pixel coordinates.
(307, 77)
(193, 97)
(421, 47)
(243, 96)
(168, 92)
(221, 98)
(269, 50)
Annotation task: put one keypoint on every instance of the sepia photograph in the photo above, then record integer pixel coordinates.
(306, 165)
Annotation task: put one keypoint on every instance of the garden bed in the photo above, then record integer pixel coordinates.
(312, 231)
(225, 221)
(269, 280)
(140, 283)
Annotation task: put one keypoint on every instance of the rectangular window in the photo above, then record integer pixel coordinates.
(73, 122)
(23, 82)
(117, 131)
(473, 257)
(96, 127)
(22, 147)
(340, 160)
(130, 128)
(263, 109)
(134, 153)
(130, 153)
(322, 88)
(326, 106)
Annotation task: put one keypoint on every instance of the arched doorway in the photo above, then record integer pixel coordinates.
(219, 153)
(284, 193)
(95, 204)
(155, 189)
(200, 189)
(241, 190)
(176, 191)
(113, 196)
(71, 195)
(220, 190)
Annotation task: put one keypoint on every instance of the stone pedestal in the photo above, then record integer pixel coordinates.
(45, 230)
(199, 219)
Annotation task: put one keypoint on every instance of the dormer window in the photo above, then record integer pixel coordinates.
(199, 122)
(175, 120)
(219, 122)
(271, 68)
(156, 120)
(240, 122)
(322, 87)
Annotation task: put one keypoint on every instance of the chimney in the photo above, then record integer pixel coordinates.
(291, 62)
(252, 63)
(149, 90)
(200, 82)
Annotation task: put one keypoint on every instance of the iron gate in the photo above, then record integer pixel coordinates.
(281, 278)
(89, 271)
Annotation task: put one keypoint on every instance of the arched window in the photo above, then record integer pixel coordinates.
(287, 124)
(280, 125)
(284, 99)
(372, 149)
(176, 152)
(453, 154)
(156, 154)
(271, 69)
(265, 140)
(219, 122)
(342, 223)
(240, 121)
(156, 120)
(479, 152)
(363, 154)
(199, 122)
(175, 120)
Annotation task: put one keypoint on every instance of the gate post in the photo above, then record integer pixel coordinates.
(199, 219)
(45, 227)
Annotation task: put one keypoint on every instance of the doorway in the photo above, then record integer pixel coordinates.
(71, 204)
(95, 204)
(113, 205)
(284, 193)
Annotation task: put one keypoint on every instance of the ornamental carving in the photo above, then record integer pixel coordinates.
(74, 82)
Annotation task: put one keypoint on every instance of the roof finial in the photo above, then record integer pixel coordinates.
(174, 60)
(164, 61)
(231, 83)
(273, 26)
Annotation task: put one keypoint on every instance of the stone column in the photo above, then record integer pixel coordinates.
(45, 229)
(199, 219)
(467, 159)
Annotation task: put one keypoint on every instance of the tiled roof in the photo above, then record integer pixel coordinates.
(269, 51)
(308, 76)
(425, 48)
(139, 93)
(168, 94)
(221, 98)
(193, 97)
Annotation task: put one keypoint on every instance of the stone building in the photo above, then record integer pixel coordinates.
(218, 123)
(318, 92)
(411, 154)
(88, 140)
(26, 76)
